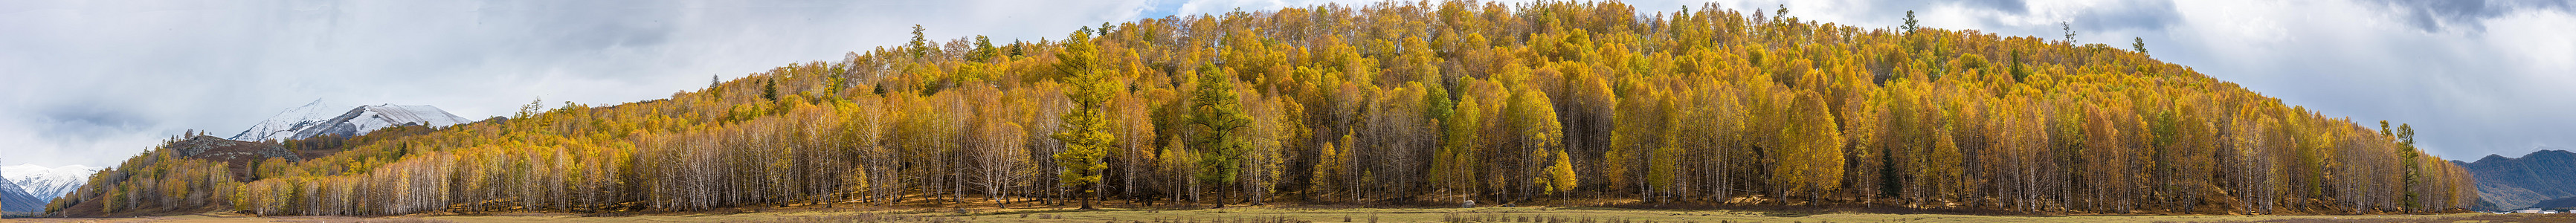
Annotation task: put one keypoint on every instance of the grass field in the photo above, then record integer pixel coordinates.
(1293, 214)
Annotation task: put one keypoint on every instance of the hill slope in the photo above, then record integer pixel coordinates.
(15, 199)
(187, 166)
(2555, 204)
(1536, 104)
(2516, 183)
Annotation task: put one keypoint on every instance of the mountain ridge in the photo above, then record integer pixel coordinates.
(47, 183)
(285, 122)
(306, 122)
(2520, 182)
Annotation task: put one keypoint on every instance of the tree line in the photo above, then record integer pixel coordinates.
(1388, 103)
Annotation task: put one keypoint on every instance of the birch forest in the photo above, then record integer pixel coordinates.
(1399, 103)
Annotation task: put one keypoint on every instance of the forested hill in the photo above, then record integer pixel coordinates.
(1394, 103)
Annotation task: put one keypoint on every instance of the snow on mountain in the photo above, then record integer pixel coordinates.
(284, 125)
(47, 183)
(305, 122)
(366, 119)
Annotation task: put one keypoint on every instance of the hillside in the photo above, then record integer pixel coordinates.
(16, 200)
(2516, 183)
(2555, 204)
(1393, 103)
(187, 166)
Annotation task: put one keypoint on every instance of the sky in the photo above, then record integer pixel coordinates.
(92, 82)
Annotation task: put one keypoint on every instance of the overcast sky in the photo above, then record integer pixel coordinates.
(91, 82)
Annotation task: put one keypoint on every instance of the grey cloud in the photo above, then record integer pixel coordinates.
(596, 29)
(2124, 15)
(2441, 15)
(89, 122)
(2130, 15)
(2007, 6)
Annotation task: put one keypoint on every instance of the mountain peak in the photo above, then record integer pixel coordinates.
(306, 121)
(284, 125)
(2492, 158)
(46, 183)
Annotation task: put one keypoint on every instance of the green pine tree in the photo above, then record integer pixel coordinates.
(1086, 133)
(1217, 112)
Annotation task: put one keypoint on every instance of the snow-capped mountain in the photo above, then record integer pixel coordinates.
(47, 183)
(366, 119)
(299, 123)
(283, 125)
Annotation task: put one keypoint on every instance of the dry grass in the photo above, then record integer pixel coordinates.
(1299, 214)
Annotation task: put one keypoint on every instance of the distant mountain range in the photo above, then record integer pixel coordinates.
(308, 121)
(2517, 183)
(47, 183)
(14, 199)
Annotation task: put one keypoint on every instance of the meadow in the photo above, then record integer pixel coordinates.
(1331, 214)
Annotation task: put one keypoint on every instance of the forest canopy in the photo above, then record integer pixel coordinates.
(1388, 103)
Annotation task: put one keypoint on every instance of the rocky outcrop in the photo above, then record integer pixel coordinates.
(210, 147)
